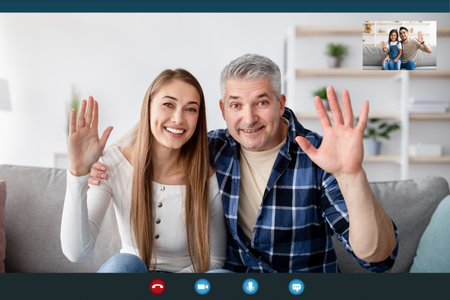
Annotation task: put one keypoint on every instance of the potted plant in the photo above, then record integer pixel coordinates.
(322, 94)
(336, 52)
(375, 130)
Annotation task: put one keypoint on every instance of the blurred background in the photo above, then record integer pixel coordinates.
(49, 60)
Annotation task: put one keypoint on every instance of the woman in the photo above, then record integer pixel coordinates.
(165, 193)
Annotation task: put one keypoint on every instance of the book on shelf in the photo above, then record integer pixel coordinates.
(427, 106)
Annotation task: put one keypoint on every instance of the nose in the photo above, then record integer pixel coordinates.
(249, 117)
(177, 116)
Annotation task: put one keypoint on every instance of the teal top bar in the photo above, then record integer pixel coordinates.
(223, 6)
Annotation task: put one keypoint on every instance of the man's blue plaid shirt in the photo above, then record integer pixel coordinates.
(301, 209)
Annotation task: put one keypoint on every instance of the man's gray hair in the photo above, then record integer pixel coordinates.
(249, 66)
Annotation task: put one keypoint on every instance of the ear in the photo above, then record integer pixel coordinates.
(222, 108)
(282, 104)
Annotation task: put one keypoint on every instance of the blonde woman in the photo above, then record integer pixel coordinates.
(164, 191)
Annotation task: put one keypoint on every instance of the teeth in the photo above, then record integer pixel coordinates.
(176, 131)
(250, 130)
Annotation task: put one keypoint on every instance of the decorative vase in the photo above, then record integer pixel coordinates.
(372, 147)
(334, 62)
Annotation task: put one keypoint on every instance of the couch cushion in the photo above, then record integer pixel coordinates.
(2, 225)
(33, 223)
(433, 253)
(410, 204)
(373, 55)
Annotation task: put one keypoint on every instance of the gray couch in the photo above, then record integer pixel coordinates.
(373, 55)
(35, 199)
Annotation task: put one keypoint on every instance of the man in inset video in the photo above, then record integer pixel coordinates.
(411, 48)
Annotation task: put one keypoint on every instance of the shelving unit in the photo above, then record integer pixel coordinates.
(293, 73)
(380, 30)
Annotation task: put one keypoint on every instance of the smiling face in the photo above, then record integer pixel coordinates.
(253, 113)
(403, 35)
(393, 36)
(174, 112)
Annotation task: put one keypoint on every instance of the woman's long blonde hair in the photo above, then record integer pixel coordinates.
(194, 158)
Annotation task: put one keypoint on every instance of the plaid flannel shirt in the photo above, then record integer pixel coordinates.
(301, 209)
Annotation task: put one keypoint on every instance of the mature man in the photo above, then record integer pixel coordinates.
(283, 186)
(411, 47)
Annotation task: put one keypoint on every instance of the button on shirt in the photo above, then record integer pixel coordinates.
(302, 207)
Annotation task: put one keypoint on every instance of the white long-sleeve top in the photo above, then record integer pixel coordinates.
(84, 210)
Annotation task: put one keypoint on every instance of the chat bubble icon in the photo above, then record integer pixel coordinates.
(297, 287)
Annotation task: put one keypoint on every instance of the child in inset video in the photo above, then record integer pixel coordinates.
(394, 50)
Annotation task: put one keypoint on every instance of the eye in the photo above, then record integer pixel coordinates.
(168, 104)
(234, 105)
(262, 102)
(191, 109)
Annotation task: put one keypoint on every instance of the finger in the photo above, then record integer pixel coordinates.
(98, 174)
(80, 120)
(93, 181)
(95, 115)
(322, 112)
(88, 116)
(98, 166)
(307, 147)
(347, 107)
(334, 106)
(361, 126)
(105, 136)
(73, 121)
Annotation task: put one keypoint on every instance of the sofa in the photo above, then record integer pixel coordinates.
(373, 55)
(35, 197)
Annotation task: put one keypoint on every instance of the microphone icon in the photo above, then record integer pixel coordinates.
(250, 286)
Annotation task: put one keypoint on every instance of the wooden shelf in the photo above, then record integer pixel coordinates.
(382, 158)
(430, 159)
(416, 23)
(441, 31)
(430, 73)
(327, 30)
(429, 116)
(389, 23)
(301, 73)
(311, 115)
(378, 115)
(412, 159)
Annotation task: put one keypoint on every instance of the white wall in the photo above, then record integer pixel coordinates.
(114, 57)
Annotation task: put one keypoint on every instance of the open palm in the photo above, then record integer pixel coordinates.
(341, 151)
(85, 147)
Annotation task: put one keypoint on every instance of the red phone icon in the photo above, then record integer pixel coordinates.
(157, 286)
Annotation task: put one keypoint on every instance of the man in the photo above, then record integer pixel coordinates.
(411, 47)
(281, 192)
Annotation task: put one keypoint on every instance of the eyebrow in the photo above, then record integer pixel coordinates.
(175, 99)
(263, 95)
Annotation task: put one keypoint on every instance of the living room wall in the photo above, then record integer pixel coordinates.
(114, 57)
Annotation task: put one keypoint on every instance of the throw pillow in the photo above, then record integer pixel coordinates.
(2, 225)
(433, 253)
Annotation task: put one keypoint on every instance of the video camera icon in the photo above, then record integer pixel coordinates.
(202, 286)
